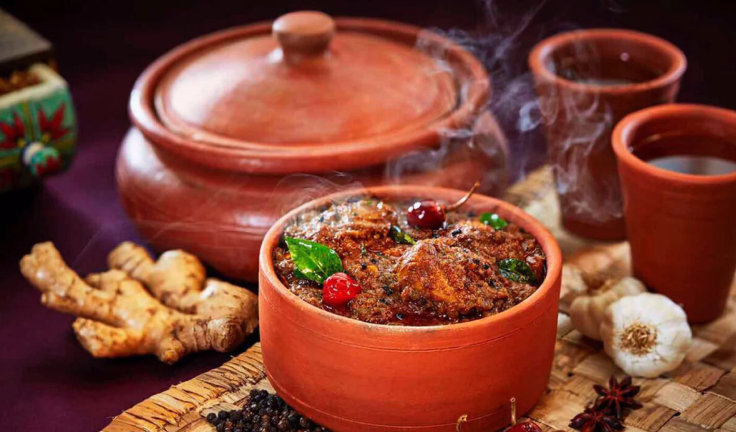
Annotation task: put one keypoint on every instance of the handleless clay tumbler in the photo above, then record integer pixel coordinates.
(681, 225)
(587, 81)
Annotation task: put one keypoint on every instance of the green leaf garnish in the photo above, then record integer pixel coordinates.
(493, 220)
(312, 260)
(516, 270)
(400, 236)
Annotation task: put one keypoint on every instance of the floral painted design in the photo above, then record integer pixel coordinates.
(14, 133)
(53, 129)
(36, 149)
(38, 130)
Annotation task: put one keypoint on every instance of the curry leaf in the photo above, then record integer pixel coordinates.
(399, 236)
(493, 220)
(312, 260)
(516, 270)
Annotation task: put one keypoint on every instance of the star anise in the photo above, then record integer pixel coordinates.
(617, 397)
(592, 420)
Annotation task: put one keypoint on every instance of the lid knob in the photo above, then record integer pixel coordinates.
(304, 33)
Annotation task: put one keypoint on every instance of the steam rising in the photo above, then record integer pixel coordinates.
(514, 105)
(581, 122)
(297, 189)
(480, 150)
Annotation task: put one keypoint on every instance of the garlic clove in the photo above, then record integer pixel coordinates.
(588, 309)
(572, 280)
(630, 286)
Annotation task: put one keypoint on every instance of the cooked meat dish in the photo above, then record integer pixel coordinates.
(463, 271)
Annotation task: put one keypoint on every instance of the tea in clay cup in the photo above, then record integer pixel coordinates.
(681, 218)
(587, 81)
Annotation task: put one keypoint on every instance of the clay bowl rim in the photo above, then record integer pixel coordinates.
(541, 234)
(309, 159)
(626, 127)
(541, 52)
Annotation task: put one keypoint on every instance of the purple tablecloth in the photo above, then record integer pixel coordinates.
(47, 381)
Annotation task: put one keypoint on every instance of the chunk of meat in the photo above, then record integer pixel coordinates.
(492, 244)
(447, 278)
(349, 228)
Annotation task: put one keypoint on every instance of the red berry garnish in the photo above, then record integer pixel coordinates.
(525, 427)
(429, 214)
(426, 214)
(339, 289)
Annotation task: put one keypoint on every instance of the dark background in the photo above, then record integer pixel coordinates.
(47, 381)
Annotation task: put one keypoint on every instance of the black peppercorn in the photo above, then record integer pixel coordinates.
(294, 420)
(262, 412)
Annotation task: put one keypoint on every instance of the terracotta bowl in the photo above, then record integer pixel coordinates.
(681, 226)
(638, 70)
(349, 375)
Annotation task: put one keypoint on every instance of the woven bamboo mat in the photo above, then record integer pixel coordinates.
(700, 395)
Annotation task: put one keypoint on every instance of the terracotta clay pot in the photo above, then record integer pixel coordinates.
(235, 128)
(587, 81)
(352, 376)
(680, 226)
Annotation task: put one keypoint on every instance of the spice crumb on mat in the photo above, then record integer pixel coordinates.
(262, 412)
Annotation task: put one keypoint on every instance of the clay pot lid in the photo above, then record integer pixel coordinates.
(307, 94)
(307, 85)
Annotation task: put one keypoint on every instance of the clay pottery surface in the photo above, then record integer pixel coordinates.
(353, 376)
(587, 81)
(681, 226)
(233, 129)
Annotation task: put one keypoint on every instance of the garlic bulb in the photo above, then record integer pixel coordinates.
(646, 335)
(587, 310)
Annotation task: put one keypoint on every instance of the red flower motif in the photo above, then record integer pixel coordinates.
(13, 132)
(51, 165)
(53, 128)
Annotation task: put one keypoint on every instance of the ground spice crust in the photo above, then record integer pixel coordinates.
(448, 275)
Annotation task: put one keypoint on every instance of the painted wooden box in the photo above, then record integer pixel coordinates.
(38, 132)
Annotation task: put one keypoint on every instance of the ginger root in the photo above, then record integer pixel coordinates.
(118, 317)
